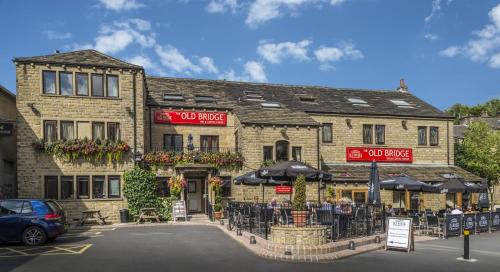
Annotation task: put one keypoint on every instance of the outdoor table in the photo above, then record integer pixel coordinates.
(148, 213)
(92, 215)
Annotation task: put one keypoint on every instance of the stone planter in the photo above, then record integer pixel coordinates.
(297, 236)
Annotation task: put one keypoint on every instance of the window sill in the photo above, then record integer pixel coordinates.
(90, 200)
(82, 96)
(428, 146)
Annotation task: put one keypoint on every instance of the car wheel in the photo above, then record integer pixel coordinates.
(34, 236)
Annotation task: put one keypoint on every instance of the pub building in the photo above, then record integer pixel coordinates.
(204, 128)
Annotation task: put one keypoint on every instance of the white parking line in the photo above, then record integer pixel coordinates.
(458, 249)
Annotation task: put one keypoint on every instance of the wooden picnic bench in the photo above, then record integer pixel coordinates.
(92, 216)
(148, 214)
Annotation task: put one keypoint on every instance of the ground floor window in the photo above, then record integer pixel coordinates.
(86, 187)
(297, 153)
(225, 189)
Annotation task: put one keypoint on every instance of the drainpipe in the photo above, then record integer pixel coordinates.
(448, 139)
(319, 164)
(135, 115)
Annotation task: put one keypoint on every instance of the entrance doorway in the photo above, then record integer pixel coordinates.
(194, 194)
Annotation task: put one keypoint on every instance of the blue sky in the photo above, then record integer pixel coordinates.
(447, 51)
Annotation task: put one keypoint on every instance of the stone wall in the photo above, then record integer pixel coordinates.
(7, 146)
(294, 236)
(35, 107)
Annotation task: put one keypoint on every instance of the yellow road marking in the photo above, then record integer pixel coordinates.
(51, 250)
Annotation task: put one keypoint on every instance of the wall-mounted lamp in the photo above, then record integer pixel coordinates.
(138, 157)
(33, 108)
(129, 111)
(404, 123)
(348, 121)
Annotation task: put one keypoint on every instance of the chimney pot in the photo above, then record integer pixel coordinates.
(402, 83)
(57, 51)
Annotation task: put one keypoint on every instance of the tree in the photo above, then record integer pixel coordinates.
(458, 110)
(299, 199)
(479, 153)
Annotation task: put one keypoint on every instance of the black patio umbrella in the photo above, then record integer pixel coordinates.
(406, 183)
(484, 201)
(251, 178)
(475, 187)
(374, 185)
(290, 170)
(453, 186)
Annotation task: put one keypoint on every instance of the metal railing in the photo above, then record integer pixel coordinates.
(343, 221)
(177, 149)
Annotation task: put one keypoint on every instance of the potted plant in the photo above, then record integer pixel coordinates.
(176, 184)
(299, 212)
(215, 183)
(218, 208)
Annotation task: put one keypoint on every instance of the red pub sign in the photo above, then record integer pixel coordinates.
(202, 118)
(368, 154)
(283, 189)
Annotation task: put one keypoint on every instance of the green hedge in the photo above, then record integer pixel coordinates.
(140, 191)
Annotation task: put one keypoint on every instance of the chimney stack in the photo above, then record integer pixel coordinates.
(402, 86)
(57, 51)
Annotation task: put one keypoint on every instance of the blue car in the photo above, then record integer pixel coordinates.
(31, 221)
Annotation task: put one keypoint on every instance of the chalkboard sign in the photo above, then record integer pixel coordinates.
(453, 224)
(398, 233)
(483, 221)
(179, 210)
(495, 221)
(470, 222)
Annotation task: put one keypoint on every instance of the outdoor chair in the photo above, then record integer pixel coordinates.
(286, 217)
(416, 224)
(432, 226)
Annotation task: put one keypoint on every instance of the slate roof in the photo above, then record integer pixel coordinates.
(233, 96)
(88, 57)
(425, 173)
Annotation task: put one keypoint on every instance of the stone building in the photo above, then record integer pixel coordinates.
(7, 143)
(203, 128)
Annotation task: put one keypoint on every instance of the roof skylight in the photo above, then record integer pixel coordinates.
(357, 100)
(270, 105)
(399, 102)
(173, 97)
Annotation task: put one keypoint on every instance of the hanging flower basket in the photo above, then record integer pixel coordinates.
(176, 185)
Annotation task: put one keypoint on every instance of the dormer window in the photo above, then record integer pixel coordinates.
(204, 99)
(173, 97)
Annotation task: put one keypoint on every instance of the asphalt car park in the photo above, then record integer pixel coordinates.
(206, 248)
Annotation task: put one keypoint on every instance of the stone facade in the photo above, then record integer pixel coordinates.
(35, 107)
(7, 145)
(296, 236)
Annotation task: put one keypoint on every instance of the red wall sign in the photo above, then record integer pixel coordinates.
(368, 154)
(283, 189)
(201, 118)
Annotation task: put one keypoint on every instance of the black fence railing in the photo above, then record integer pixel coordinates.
(184, 149)
(343, 221)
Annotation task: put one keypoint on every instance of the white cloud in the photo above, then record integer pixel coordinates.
(121, 5)
(222, 6)
(431, 37)
(174, 60)
(276, 52)
(208, 65)
(146, 62)
(119, 35)
(485, 46)
(262, 11)
(345, 51)
(450, 51)
(253, 71)
(54, 35)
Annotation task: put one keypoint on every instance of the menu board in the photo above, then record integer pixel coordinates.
(482, 221)
(179, 210)
(470, 222)
(398, 233)
(495, 220)
(453, 224)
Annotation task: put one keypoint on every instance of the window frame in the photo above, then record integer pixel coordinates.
(377, 142)
(45, 138)
(103, 131)
(424, 143)
(431, 143)
(72, 83)
(117, 128)
(45, 187)
(117, 85)
(72, 187)
(173, 137)
(287, 149)
(89, 192)
(76, 85)
(367, 134)
(330, 125)
(108, 189)
(209, 148)
(61, 129)
(43, 81)
(264, 152)
(92, 85)
(294, 155)
(104, 193)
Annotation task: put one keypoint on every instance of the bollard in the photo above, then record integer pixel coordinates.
(466, 245)
(238, 232)
(252, 240)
